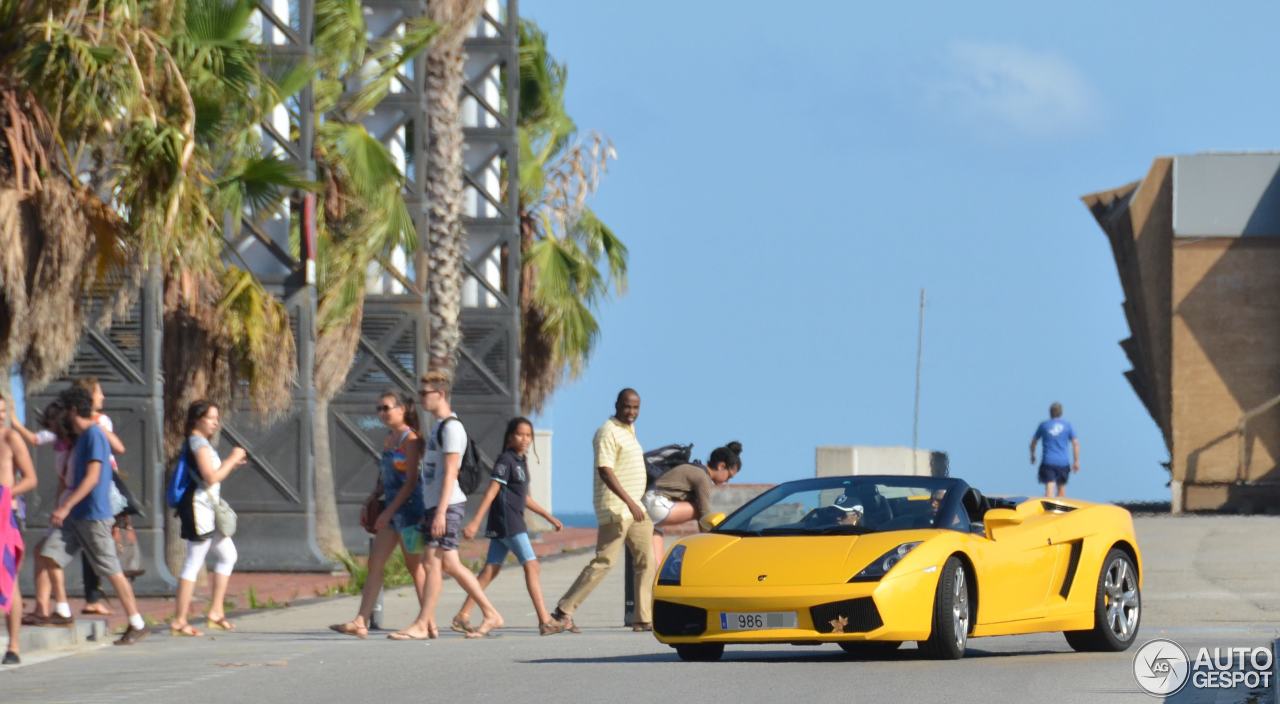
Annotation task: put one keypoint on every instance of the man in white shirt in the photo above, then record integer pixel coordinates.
(446, 505)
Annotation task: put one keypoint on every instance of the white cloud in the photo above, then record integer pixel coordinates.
(1036, 93)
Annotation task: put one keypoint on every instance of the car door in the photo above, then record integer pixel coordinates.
(1016, 570)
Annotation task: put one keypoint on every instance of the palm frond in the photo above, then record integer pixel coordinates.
(388, 59)
(260, 183)
(600, 240)
(340, 35)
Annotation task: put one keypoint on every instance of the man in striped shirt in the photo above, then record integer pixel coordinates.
(619, 484)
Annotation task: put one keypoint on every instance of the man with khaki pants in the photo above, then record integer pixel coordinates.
(619, 484)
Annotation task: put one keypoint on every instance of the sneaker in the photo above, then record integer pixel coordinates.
(56, 620)
(131, 635)
(11, 658)
(34, 619)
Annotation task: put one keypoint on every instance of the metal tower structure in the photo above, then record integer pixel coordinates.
(392, 350)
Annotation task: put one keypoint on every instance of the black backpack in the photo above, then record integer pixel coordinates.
(472, 472)
(658, 461)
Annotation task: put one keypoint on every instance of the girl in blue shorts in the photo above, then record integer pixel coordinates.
(403, 510)
(505, 501)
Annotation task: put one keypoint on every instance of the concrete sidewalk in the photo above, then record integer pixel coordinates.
(257, 593)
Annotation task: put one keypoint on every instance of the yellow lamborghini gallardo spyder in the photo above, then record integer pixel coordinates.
(871, 561)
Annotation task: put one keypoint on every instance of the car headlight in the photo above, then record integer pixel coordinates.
(670, 574)
(874, 571)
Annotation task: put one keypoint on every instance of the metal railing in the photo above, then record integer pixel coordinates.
(1242, 428)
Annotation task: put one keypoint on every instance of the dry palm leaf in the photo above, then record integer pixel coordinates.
(13, 277)
(56, 308)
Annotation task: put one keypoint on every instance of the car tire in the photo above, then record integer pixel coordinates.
(869, 648)
(1117, 609)
(952, 615)
(700, 652)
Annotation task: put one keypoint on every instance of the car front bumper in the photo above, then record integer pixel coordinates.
(898, 608)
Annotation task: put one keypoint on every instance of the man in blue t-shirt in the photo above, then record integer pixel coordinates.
(1057, 463)
(83, 519)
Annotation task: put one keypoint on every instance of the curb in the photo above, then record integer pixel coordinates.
(82, 635)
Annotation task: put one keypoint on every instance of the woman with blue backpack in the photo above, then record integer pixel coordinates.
(207, 521)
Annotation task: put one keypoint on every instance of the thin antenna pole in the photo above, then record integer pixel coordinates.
(915, 420)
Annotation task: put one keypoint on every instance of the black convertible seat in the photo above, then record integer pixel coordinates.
(850, 616)
(671, 619)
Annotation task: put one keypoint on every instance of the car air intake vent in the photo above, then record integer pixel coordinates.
(1056, 507)
(672, 619)
(852, 616)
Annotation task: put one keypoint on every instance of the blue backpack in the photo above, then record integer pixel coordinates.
(182, 478)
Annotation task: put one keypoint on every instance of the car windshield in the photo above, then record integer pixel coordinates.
(846, 506)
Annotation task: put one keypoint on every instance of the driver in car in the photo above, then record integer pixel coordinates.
(849, 511)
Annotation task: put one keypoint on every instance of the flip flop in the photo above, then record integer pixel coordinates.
(483, 632)
(221, 623)
(350, 629)
(460, 626)
(405, 636)
(186, 631)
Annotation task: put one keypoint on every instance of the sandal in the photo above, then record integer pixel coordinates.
(549, 628)
(401, 635)
(96, 609)
(565, 622)
(350, 629)
(485, 630)
(220, 623)
(459, 625)
(186, 630)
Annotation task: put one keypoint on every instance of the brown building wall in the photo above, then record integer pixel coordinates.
(1225, 361)
(1152, 212)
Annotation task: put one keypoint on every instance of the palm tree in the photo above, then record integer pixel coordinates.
(446, 250)
(562, 241)
(362, 215)
(150, 136)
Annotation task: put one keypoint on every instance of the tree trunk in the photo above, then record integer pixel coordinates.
(446, 243)
(335, 352)
(196, 366)
(328, 527)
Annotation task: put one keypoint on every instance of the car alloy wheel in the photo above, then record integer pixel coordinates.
(1120, 586)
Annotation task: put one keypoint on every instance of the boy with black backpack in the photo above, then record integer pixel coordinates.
(448, 450)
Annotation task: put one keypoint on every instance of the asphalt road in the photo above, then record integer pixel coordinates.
(1211, 581)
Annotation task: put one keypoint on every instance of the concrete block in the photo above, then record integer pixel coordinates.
(844, 460)
(84, 633)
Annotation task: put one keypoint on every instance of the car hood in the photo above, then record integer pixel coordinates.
(713, 560)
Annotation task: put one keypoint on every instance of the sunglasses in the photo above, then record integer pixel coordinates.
(384, 409)
(427, 392)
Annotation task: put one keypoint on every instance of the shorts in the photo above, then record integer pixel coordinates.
(93, 537)
(412, 538)
(656, 505)
(518, 544)
(452, 527)
(1053, 474)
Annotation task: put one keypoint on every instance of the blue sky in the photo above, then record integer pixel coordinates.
(788, 181)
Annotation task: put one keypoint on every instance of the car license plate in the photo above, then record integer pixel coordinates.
(756, 620)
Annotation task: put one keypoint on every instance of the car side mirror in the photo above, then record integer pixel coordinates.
(711, 521)
(997, 518)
